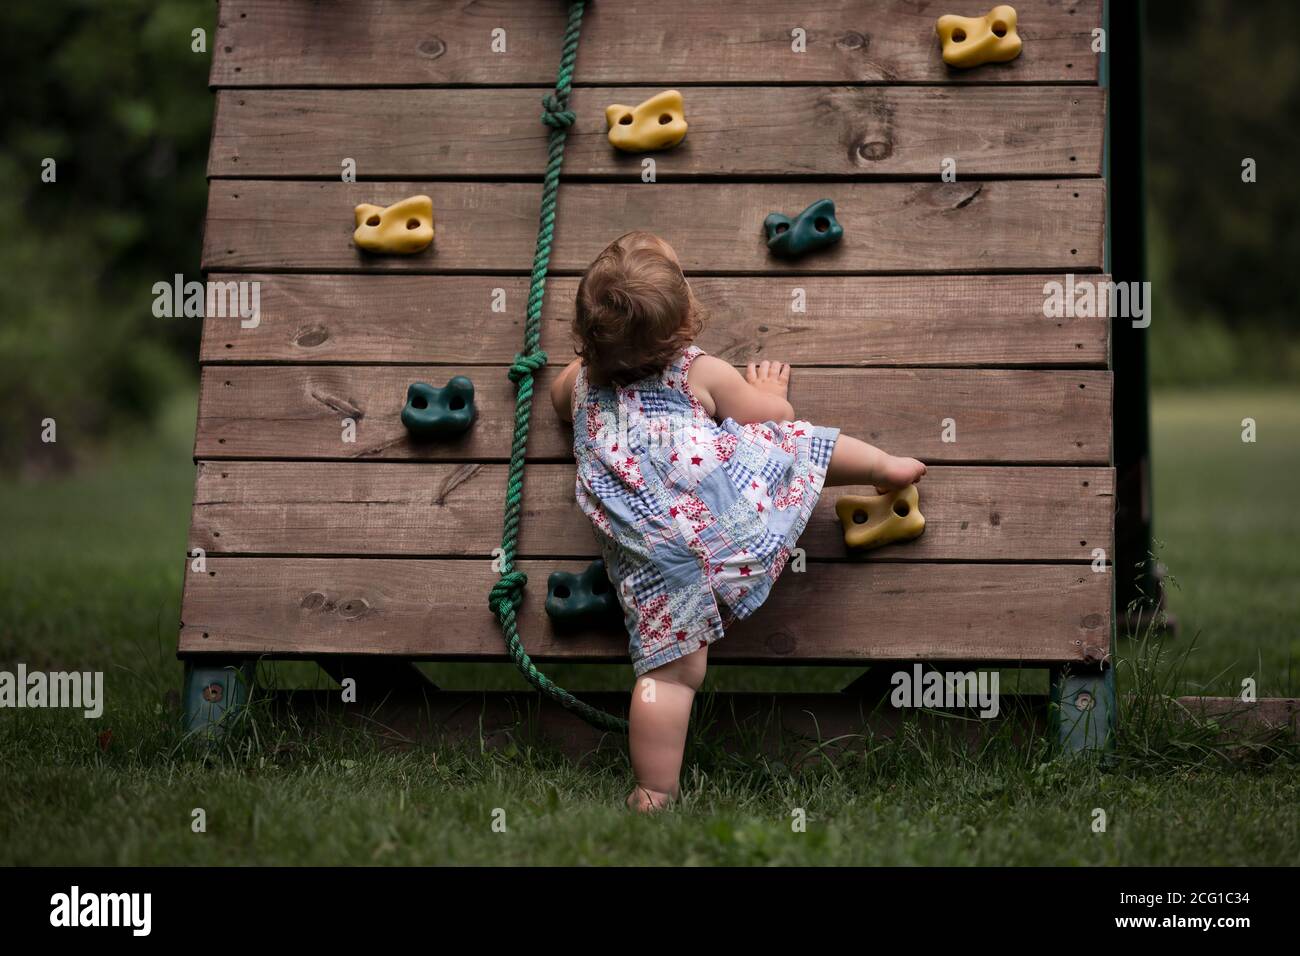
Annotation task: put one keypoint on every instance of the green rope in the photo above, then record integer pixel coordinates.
(508, 592)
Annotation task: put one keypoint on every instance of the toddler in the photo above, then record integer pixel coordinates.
(698, 480)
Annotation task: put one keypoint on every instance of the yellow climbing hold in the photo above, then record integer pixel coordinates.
(658, 123)
(877, 520)
(404, 227)
(972, 41)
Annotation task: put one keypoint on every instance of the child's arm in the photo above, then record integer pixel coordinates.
(758, 396)
(562, 390)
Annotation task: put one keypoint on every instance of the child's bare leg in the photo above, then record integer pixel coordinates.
(657, 721)
(854, 462)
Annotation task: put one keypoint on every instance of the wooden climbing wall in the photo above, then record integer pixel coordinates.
(930, 309)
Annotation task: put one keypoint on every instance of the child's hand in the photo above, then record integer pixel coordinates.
(772, 378)
(756, 396)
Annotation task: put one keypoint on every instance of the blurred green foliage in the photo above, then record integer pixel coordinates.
(115, 95)
(1223, 85)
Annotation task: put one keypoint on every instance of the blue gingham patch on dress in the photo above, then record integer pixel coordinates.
(820, 448)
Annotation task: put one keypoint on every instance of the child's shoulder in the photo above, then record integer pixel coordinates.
(704, 365)
(682, 366)
(704, 373)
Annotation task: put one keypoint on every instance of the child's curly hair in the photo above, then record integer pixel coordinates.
(635, 312)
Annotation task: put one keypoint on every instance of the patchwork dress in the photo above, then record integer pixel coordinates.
(695, 518)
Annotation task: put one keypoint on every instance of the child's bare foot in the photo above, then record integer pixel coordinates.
(648, 801)
(898, 473)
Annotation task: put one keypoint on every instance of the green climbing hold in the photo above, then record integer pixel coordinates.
(814, 228)
(577, 600)
(439, 412)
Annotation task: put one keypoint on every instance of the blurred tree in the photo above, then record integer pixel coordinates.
(1223, 85)
(113, 93)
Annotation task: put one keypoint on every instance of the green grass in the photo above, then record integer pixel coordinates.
(1228, 515)
(90, 579)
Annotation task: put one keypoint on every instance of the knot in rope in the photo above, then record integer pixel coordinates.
(507, 593)
(526, 364)
(509, 587)
(555, 112)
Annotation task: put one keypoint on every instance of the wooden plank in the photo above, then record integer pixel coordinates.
(438, 610)
(975, 321)
(287, 43)
(1007, 226)
(371, 508)
(771, 131)
(1043, 417)
(1233, 715)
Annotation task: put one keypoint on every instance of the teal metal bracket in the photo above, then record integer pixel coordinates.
(1082, 709)
(215, 695)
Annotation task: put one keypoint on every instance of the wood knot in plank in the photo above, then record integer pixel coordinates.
(354, 608)
(963, 203)
(341, 405)
(875, 151)
(432, 48)
(866, 120)
(350, 609)
(458, 477)
(781, 643)
(310, 338)
(313, 601)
